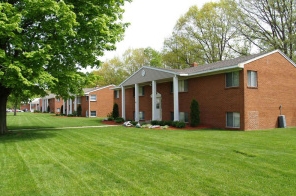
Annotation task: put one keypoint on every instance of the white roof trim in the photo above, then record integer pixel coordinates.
(146, 67)
(97, 89)
(267, 54)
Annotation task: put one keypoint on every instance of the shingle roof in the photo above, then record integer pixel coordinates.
(218, 65)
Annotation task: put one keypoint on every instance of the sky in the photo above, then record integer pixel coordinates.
(151, 21)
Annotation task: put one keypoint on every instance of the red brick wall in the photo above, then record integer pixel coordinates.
(103, 104)
(276, 86)
(258, 108)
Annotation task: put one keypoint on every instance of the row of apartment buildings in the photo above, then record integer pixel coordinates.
(245, 93)
(95, 102)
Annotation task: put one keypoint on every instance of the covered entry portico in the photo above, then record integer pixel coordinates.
(150, 76)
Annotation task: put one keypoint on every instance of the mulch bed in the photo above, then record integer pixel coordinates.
(170, 128)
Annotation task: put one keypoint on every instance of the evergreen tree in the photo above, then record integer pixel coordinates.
(115, 112)
(194, 113)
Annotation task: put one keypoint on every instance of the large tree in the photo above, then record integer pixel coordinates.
(45, 43)
(205, 35)
(269, 24)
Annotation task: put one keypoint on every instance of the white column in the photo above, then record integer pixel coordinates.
(67, 103)
(123, 102)
(137, 102)
(64, 106)
(71, 106)
(88, 105)
(154, 100)
(176, 98)
(30, 106)
(75, 104)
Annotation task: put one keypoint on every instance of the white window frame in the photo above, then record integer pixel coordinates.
(141, 115)
(234, 79)
(93, 97)
(141, 91)
(116, 94)
(183, 85)
(91, 113)
(252, 78)
(78, 100)
(183, 116)
(235, 119)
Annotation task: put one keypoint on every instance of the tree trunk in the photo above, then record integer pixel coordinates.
(4, 93)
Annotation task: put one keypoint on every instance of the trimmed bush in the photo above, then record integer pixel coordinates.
(119, 120)
(194, 113)
(178, 124)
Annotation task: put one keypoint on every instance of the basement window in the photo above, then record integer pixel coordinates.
(233, 119)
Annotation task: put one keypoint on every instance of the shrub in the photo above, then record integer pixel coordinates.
(178, 124)
(194, 113)
(79, 110)
(115, 112)
(154, 122)
(119, 120)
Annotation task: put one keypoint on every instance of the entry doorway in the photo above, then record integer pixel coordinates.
(158, 107)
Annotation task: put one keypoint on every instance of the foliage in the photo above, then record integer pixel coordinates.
(119, 120)
(268, 24)
(194, 113)
(204, 35)
(115, 111)
(117, 69)
(79, 110)
(178, 124)
(45, 44)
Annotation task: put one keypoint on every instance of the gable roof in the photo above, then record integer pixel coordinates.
(90, 90)
(152, 73)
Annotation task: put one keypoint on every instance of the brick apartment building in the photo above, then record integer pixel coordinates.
(245, 93)
(95, 102)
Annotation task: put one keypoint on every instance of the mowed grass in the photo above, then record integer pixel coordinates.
(27, 120)
(131, 161)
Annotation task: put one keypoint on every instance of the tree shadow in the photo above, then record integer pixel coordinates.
(28, 135)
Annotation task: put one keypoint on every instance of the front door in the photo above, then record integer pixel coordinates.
(158, 110)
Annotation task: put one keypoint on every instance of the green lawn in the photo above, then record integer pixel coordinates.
(131, 161)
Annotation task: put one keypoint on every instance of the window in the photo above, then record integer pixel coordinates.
(232, 79)
(182, 86)
(58, 110)
(141, 91)
(141, 115)
(233, 119)
(93, 113)
(78, 100)
(183, 116)
(86, 98)
(58, 99)
(93, 98)
(252, 78)
(116, 94)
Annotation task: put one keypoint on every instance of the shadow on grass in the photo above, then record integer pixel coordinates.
(27, 135)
